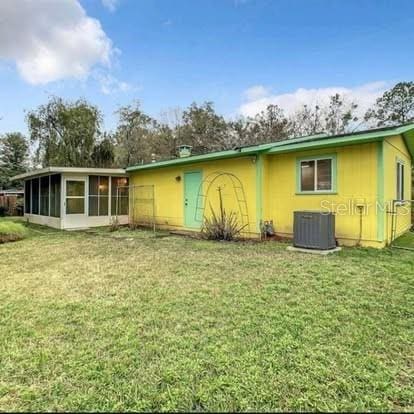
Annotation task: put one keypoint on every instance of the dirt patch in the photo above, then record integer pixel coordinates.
(6, 238)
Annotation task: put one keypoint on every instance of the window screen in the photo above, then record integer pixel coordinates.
(44, 195)
(27, 196)
(75, 197)
(98, 195)
(35, 196)
(55, 195)
(119, 196)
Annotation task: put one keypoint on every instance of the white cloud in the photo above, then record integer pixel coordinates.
(256, 92)
(109, 84)
(259, 97)
(111, 5)
(49, 40)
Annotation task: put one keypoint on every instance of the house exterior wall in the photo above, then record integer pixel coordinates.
(224, 174)
(364, 176)
(356, 184)
(395, 150)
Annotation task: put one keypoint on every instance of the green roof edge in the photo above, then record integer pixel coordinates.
(293, 144)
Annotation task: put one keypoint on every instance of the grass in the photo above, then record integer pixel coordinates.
(126, 321)
(406, 240)
(11, 231)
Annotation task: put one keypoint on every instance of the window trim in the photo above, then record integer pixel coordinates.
(316, 158)
(400, 163)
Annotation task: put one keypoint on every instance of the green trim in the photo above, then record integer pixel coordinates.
(326, 143)
(380, 192)
(333, 157)
(294, 144)
(259, 190)
(346, 139)
(192, 160)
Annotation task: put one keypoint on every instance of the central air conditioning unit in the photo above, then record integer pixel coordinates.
(314, 230)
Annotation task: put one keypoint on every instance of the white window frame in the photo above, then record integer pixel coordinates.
(315, 190)
(400, 180)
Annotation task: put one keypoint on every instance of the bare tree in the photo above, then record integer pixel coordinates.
(308, 120)
(337, 117)
(395, 106)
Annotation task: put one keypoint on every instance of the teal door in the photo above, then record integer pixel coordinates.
(192, 181)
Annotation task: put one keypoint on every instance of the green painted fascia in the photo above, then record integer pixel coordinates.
(404, 129)
(290, 141)
(326, 143)
(334, 174)
(259, 190)
(344, 140)
(380, 192)
(194, 159)
(294, 144)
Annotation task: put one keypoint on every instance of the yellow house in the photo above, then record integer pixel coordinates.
(363, 177)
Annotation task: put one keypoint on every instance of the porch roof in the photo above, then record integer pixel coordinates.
(73, 170)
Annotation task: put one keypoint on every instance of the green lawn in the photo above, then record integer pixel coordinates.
(11, 230)
(405, 241)
(127, 321)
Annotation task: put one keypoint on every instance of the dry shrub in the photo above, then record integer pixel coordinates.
(114, 225)
(221, 225)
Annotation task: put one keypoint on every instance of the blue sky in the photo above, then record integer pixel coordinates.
(240, 54)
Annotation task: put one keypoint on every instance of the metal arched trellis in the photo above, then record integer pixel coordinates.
(240, 196)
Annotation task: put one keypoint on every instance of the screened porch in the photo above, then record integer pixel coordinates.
(76, 198)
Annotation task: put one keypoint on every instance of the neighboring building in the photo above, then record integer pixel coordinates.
(71, 198)
(358, 176)
(12, 201)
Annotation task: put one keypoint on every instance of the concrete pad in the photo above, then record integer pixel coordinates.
(313, 251)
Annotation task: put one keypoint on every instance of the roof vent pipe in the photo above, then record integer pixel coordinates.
(184, 151)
